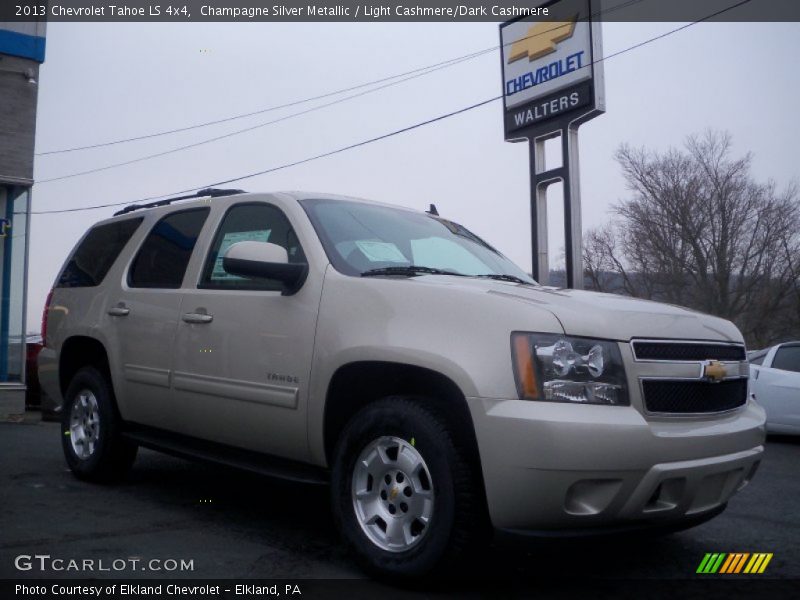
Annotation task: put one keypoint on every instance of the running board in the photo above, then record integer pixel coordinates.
(221, 454)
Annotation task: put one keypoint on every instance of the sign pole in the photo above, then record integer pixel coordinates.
(542, 178)
(539, 244)
(573, 232)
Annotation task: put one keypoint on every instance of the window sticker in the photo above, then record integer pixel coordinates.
(377, 251)
(218, 273)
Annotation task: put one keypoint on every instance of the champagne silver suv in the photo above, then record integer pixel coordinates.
(440, 391)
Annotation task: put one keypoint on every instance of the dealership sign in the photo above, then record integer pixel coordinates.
(552, 83)
(549, 66)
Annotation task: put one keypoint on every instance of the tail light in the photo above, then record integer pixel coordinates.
(44, 317)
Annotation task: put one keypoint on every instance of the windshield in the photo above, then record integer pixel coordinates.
(360, 238)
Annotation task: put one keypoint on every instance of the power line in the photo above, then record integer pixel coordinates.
(386, 135)
(451, 114)
(434, 66)
(445, 65)
(290, 104)
(286, 165)
(248, 129)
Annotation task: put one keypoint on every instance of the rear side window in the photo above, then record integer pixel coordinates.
(787, 358)
(165, 252)
(94, 256)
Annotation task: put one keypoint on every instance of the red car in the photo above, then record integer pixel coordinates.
(33, 393)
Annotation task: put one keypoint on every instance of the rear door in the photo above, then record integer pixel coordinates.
(243, 350)
(143, 316)
(76, 307)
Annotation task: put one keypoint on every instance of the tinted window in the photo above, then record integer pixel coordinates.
(757, 357)
(92, 259)
(249, 222)
(165, 253)
(787, 358)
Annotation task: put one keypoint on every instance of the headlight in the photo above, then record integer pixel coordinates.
(558, 368)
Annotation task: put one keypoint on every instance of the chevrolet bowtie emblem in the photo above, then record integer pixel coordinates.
(541, 39)
(713, 370)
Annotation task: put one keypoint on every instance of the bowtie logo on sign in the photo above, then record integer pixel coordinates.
(541, 40)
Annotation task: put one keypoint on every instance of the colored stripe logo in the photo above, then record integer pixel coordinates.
(734, 562)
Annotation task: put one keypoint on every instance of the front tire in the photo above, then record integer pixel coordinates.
(91, 430)
(406, 498)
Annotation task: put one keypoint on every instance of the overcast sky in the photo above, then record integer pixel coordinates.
(108, 81)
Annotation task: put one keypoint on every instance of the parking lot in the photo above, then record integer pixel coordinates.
(234, 525)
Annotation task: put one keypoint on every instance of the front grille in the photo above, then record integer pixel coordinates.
(693, 397)
(682, 351)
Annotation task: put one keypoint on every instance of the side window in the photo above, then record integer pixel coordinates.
(94, 256)
(787, 358)
(249, 222)
(165, 252)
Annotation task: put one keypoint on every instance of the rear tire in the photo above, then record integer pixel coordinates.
(91, 430)
(406, 498)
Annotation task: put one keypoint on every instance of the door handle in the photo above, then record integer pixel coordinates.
(119, 311)
(198, 318)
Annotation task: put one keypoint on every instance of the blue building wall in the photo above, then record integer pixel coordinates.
(23, 40)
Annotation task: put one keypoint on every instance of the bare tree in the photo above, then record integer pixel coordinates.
(700, 232)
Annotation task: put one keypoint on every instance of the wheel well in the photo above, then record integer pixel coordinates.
(78, 352)
(355, 385)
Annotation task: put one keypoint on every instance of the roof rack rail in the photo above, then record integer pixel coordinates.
(213, 192)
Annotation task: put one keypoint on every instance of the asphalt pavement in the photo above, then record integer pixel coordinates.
(235, 525)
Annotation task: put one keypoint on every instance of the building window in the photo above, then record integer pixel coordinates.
(13, 233)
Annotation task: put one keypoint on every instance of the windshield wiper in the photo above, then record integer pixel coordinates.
(408, 271)
(503, 277)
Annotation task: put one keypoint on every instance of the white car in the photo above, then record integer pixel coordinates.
(775, 383)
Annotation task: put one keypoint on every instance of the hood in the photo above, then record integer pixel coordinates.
(607, 316)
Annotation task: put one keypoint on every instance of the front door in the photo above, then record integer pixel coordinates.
(243, 350)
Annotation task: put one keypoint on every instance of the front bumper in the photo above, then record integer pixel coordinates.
(552, 467)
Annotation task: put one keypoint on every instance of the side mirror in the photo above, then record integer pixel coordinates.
(262, 260)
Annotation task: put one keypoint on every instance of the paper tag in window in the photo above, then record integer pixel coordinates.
(381, 251)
